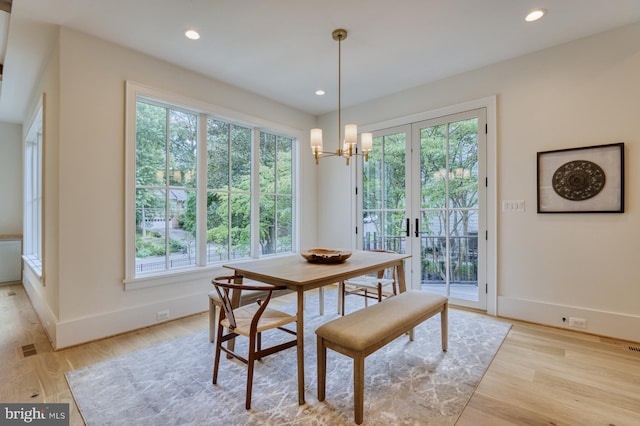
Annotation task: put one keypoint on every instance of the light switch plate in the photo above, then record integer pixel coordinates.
(513, 205)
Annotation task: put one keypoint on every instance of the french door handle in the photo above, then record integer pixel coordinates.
(408, 227)
(417, 227)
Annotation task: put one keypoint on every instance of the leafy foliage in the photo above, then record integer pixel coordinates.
(166, 179)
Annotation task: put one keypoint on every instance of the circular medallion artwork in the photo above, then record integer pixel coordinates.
(578, 180)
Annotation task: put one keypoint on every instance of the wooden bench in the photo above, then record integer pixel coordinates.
(363, 332)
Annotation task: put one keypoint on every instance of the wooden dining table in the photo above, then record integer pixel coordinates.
(299, 275)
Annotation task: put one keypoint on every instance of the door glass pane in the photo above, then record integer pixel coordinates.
(372, 231)
(384, 199)
(394, 173)
(433, 162)
(449, 208)
(395, 231)
(433, 247)
(463, 243)
(463, 164)
(372, 179)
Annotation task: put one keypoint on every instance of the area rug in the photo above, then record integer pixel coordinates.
(406, 383)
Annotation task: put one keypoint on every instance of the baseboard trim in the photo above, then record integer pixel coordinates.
(601, 323)
(107, 324)
(33, 287)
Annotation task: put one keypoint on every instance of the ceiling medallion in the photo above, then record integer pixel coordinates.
(578, 180)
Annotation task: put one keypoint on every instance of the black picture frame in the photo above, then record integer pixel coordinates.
(581, 180)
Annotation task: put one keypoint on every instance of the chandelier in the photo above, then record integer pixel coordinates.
(347, 146)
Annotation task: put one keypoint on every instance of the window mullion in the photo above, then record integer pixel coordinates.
(229, 192)
(275, 195)
(167, 254)
(201, 191)
(255, 193)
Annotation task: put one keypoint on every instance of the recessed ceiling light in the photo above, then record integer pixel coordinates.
(192, 34)
(535, 14)
(319, 92)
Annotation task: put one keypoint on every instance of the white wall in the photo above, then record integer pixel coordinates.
(579, 94)
(88, 214)
(44, 291)
(11, 179)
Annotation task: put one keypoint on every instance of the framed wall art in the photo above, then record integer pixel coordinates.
(582, 180)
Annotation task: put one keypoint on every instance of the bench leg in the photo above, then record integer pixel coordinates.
(322, 369)
(444, 327)
(358, 389)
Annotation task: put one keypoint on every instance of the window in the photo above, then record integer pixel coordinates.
(166, 147)
(228, 190)
(206, 189)
(32, 220)
(276, 196)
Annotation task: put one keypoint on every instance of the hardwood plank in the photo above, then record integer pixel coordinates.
(540, 375)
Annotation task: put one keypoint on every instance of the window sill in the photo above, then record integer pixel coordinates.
(35, 264)
(188, 274)
(169, 278)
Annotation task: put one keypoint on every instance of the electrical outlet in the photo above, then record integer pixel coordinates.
(162, 315)
(577, 322)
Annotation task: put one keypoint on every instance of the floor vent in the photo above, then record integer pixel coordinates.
(634, 349)
(28, 350)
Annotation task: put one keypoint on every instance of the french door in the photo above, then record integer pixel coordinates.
(424, 194)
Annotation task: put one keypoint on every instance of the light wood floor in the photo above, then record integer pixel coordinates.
(540, 376)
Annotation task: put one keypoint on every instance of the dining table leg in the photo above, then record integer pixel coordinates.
(300, 331)
(402, 286)
(402, 283)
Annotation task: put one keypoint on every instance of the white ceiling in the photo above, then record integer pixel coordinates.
(283, 50)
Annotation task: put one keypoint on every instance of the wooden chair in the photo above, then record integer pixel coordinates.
(246, 297)
(367, 286)
(250, 321)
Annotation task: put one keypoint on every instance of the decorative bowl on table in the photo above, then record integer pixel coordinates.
(320, 255)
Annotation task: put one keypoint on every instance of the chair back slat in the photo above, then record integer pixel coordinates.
(225, 286)
(227, 306)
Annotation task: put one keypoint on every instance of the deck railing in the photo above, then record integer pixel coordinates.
(463, 256)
